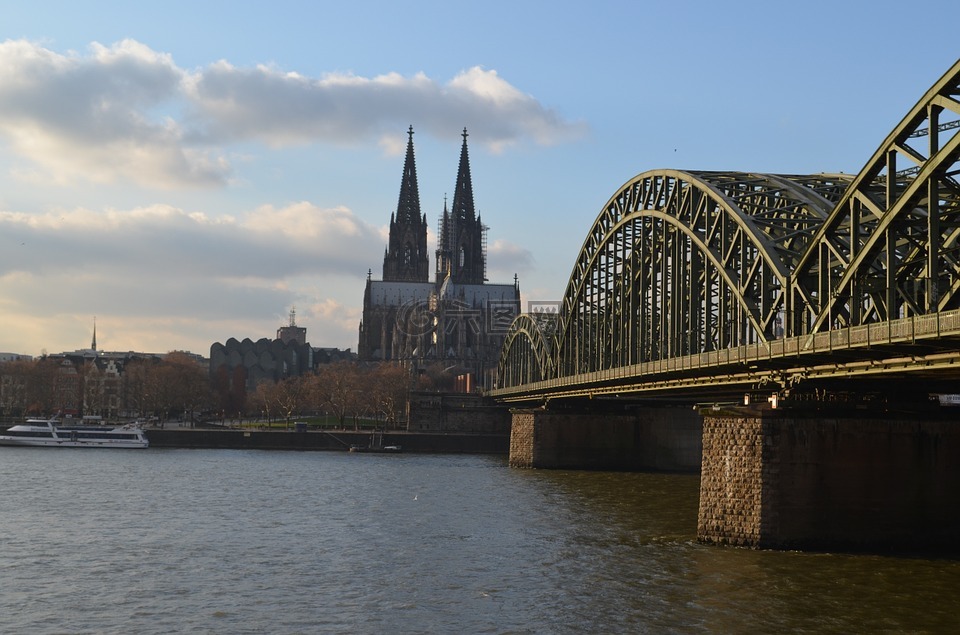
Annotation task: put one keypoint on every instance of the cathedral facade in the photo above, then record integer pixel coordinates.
(458, 320)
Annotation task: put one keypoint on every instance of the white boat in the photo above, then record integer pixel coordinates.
(49, 433)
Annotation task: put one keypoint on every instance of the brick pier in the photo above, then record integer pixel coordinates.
(775, 479)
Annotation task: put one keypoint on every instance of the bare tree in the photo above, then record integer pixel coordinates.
(390, 389)
(342, 388)
(139, 391)
(291, 396)
(264, 401)
(15, 379)
(49, 390)
(183, 386)
(230, 388)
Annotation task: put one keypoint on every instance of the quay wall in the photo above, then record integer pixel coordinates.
(775, 480)
(655, 439)
(322, 440)
(458, 413)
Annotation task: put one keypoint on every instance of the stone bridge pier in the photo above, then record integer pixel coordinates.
(598, 438)
(781, 479)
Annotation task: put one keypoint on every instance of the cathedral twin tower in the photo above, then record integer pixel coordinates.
(458, 319)
(460, 249)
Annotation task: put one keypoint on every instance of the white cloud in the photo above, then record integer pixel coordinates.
(506, 259)
(102, 118)
(333, 314)
(148, 265)
(268, 243)
(128, 113)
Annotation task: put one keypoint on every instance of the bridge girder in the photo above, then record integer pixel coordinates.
(681, 263)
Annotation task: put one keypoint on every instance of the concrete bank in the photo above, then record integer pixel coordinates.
(333, 441)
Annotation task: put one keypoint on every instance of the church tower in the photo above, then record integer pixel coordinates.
(406, 259)
(461, 249)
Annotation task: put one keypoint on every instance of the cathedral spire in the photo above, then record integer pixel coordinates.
(463, 194)
(93, 343)
(460, 249)
(408, 207)
(406, 258)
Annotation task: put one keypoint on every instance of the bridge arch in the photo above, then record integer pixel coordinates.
(525, 356)
(687, 262)
(890, 247)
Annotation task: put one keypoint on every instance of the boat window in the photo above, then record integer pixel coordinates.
(29, 433)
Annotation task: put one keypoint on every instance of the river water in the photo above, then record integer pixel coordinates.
(211, 541)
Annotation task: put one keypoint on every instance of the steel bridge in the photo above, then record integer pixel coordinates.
(709, 283)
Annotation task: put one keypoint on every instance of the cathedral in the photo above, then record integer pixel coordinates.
(459, 320)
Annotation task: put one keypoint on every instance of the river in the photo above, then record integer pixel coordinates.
(228, 541)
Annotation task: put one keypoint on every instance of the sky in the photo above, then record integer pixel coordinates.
(180, 173)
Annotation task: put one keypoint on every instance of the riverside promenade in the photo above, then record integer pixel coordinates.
(327, 440)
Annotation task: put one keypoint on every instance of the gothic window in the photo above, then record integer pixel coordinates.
(407, 254)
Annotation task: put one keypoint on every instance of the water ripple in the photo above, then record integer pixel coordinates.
(167, 541)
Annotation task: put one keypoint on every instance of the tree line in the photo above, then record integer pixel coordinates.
(347, 391)
(177, 387)
(141, 386)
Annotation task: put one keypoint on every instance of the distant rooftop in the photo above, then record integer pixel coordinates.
(14, 357)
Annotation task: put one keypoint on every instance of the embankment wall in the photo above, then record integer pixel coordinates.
(333, 441)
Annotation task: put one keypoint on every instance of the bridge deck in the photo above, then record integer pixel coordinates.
(911, 345)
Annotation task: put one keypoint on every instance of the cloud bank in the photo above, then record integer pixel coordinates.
(127, 127)
(269, 243)
(161, 275)
(128, 113)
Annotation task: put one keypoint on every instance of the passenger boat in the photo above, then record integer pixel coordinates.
(49, 433)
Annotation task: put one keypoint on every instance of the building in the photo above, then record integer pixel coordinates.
(86, 382)
(13, 357)
(239, 365)
(292, 333)
(459, 319)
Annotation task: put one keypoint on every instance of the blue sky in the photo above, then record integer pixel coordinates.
(187, 172)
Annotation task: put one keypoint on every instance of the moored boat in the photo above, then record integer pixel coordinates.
(49, 433)
(383, 449)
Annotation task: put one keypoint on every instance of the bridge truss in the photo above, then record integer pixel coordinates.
(682, 265)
